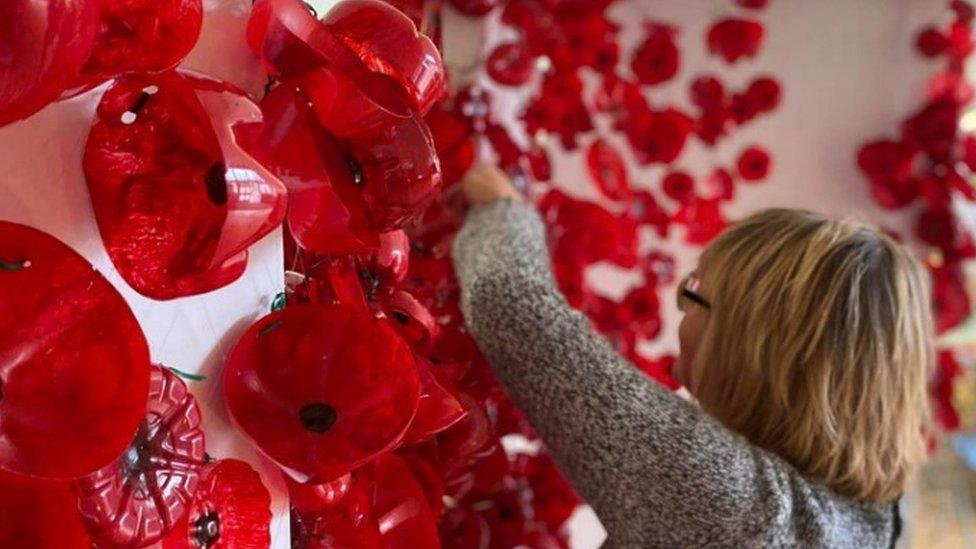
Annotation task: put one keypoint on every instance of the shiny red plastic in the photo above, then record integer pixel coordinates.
(511, 64)
(608, 170)
(142, 36)
(177, 199)
(74, 364)
(351, 525)
(231, 510)
(391, 156)
(438, 408)
(370, 42)
(138, 499)
(321, 389)
(44, 45)
(317, 498)
(40, 515)
(400, 505)
(325, 212)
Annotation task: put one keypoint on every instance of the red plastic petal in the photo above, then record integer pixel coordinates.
(74, 364)
(438, 407)
(138, 499)
(510, 64)
(321, 389)
(317, 498)
(392, 157)
(733, 39)
(44, 45)
(656, 60)
(177, 200)
(754, 164)
(400, 505)
(143, 36)
(231, 510)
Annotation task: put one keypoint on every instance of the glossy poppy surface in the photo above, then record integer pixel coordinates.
(231, 510)
(437, 408)
(44, 45)
(400, 506)
(143, 36)
(326, 213)
(397, 67)
(138, 499)
(321, 389)
(177, 199)
(40, 515)
(392, 158)
(350, 525)
(74, 364)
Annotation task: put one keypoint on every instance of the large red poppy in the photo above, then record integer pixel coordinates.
(322, 389)
(138, 499)
(74, 364)
(177, 199)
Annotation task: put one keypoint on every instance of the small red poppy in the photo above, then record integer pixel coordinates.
(720, 185)
(764, 93)
(656, 59)
(231, 509)
(734, 39)
(138, 499)
(679, 185)
(753, 164)
(707, 92)
(931, 42)
(510, 64)
(607, 170)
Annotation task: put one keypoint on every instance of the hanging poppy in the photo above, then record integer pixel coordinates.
(303, 385)
(177, 199)
(753, 164)
(140, 36)
(139, 498)
(45, 44)
(231, 509)
(733, 39)
(679, 186)
(74, 363)
(656, 59)
(317, 498)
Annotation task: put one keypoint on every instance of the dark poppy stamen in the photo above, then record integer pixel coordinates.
(317, 417)
(401, 317)
(216, 182)
(206, 530)
(15, 266)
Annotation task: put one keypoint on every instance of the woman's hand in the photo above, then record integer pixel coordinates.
(486, 183)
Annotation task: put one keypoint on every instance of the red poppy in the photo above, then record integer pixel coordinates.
(656, 60)
(642, 311)
(177, 200)
(437, 408)
(231, 509)
(645, 210)
(934, 129)
(350, 525)
(325, 214)
(931, 43)
(753, 164)
(510, 64)
(884, 160)
(764, 93)
(713, 124)
(702, 219)
(139, 36)
(138, 499)
(657, 136)
(40, 515)
(584, 233)
(301, 383)
(963, 10)
(742, 108)
(290, 41)
(607, 170)
(733, 39)
(413, 321)
(895, 193)
(539, 164)
(74, 364)
(466, 439)
(391, 156)
(707, 92)
(679, 186)
(950, 300)
(45, 44)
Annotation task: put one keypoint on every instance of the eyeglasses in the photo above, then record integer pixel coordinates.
(688, 292)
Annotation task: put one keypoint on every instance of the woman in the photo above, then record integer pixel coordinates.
(805, 342)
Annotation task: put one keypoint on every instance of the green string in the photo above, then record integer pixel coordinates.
(279, 302)
(186, 375)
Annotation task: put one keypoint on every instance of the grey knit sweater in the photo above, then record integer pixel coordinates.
(657, 470)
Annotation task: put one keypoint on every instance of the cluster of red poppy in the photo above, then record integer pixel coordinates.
(928, 165)
(365, 387)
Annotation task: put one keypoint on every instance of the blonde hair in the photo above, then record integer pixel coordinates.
(817, 348)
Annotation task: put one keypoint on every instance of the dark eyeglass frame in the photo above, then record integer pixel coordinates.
(691, 295)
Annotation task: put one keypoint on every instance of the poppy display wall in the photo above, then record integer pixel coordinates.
(275, 218)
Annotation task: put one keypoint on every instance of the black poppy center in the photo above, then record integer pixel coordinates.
(318, 417)
(206, 530)
(216, 182)
(356, 170)
(401, 317)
